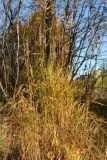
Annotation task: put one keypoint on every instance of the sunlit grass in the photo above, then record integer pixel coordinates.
(44, 122)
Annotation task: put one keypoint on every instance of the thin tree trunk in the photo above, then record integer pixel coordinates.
(48, 24)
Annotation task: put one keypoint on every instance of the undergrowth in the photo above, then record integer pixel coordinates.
(43, 121)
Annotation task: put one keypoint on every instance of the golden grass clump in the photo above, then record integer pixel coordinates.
(43, 122)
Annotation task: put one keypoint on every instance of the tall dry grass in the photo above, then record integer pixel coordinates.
(43, 122)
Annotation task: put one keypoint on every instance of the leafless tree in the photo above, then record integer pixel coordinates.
(69, 33)
(85, 23)
(10, 49)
